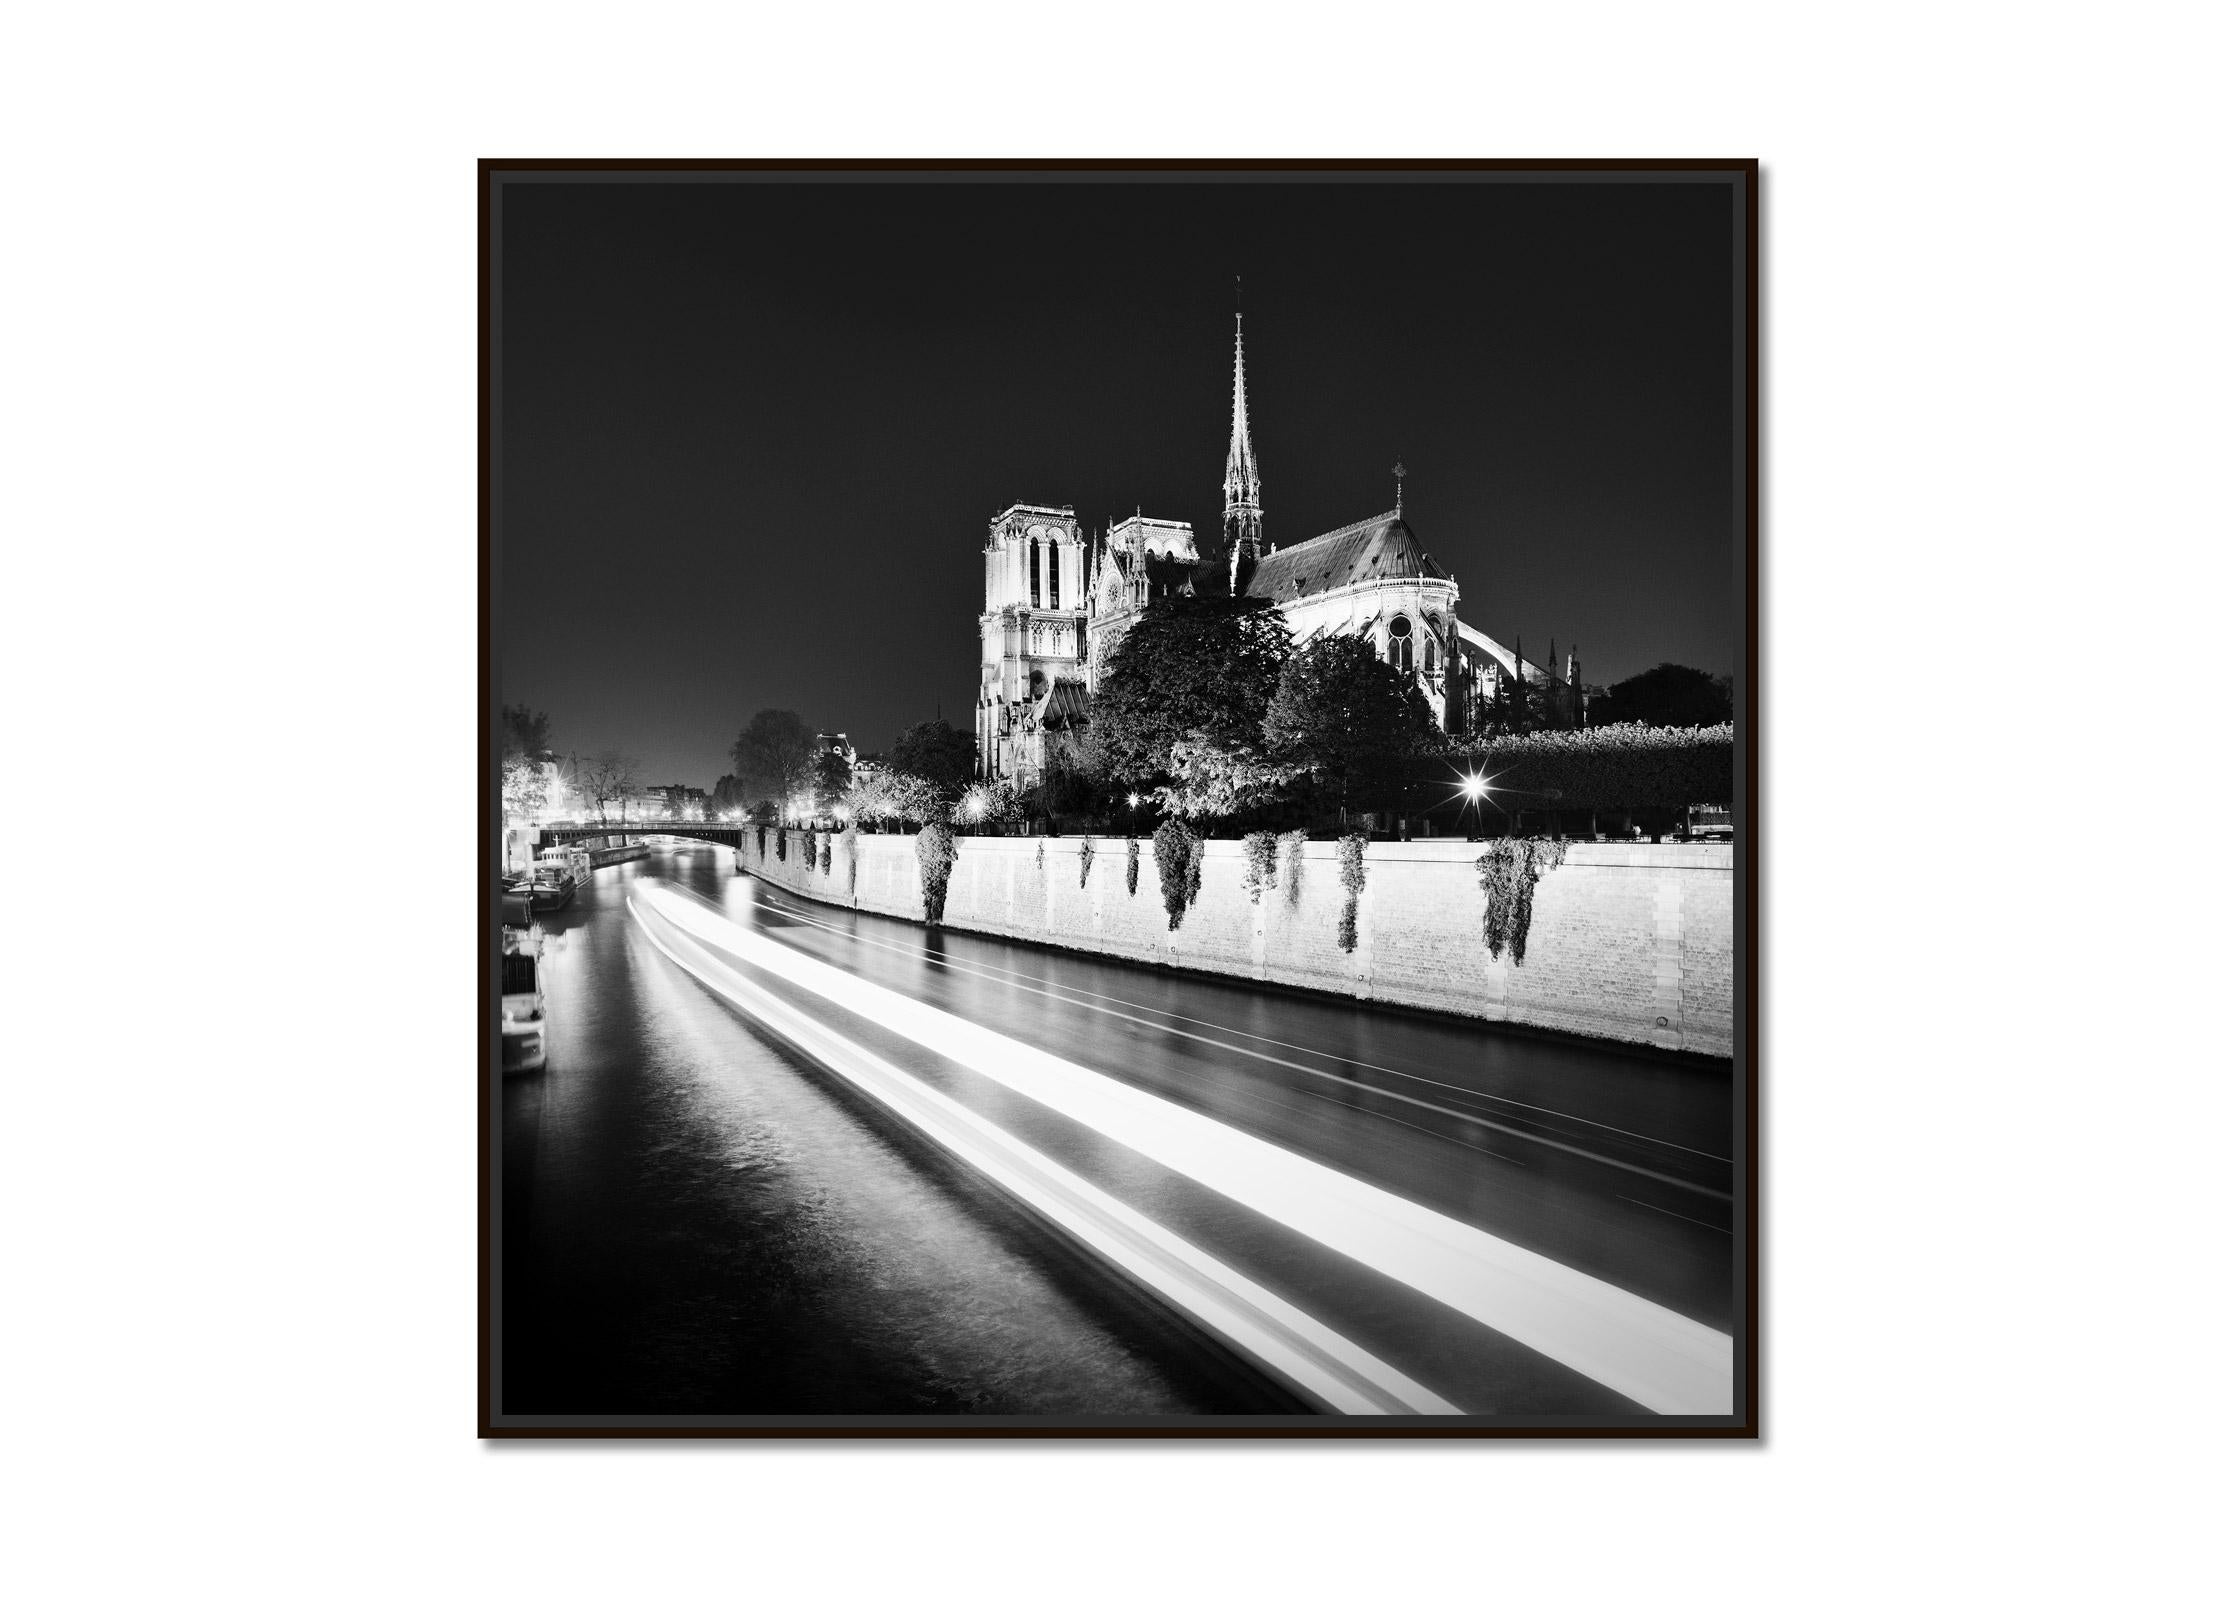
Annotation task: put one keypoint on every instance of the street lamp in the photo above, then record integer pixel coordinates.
(1474, 789)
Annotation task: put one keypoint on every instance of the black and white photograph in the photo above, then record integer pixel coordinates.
(1118, 799)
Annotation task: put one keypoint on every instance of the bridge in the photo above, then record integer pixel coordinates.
(732, 834)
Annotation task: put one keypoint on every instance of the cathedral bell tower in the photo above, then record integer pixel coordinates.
(1240, 484)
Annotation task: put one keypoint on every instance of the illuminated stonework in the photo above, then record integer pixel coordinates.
(1057, 606)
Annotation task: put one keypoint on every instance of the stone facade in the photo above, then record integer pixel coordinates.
(1632, 942)
(1056, 606)
(1033, 637)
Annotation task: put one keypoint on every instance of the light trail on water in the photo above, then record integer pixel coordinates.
(1654, 1356)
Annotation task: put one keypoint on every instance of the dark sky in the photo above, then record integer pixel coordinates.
(752, 433)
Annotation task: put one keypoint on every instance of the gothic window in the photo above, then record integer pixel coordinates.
(1402, 652)
(1034, 572)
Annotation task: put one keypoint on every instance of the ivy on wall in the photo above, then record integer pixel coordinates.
(1353, 876)
(1038, 855)
(848, 843)
(1259, 863)
(1135, 851)
(1294, 863)
(1088, 854)
(781, 844)
(937, 853)
(1508, 870)
(1175, 848)
(1197, 866)
(824, 855)
(761, 844)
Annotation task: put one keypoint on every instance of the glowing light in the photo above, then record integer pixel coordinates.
(1322, 1361)
(1475, 787)
(840, 814)
(1645, 1351)
(1134, 800)
(976, 807)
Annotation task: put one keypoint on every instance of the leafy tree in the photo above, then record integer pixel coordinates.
(525, 740)
(985, 805)
(729, 795)
(831, 779)
(526, 790)
(1671, 696)
(1073, 786)
(1188, 667)
(526, 734)
(870, 797)
(880, 795)
(942, 755)
(1349, 717)
(911, 798)
(1210, 781)
(774, 756)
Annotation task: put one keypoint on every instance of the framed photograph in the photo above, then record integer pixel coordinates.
(1118, 799)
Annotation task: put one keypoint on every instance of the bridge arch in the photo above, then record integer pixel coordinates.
(732, 834)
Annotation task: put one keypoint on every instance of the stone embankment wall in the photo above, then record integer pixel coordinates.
(1628, 941)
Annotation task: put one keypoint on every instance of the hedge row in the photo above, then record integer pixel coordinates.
(1617, 768)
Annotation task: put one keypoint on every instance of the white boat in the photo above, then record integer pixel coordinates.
(521, 1014)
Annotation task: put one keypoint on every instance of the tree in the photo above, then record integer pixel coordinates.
(526, 733)
(831, 779)
(1189, 667)
(607, 778)
(1350, 717)
(1671, 696)
(526, 791)
(1073, 785)
(870, 797)
(525, 739)
(729, 796)
(1210, 781)
(879, 795)
(985, 805)
(774, 756)
(942, 755)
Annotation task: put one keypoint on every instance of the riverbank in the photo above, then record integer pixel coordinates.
(1632, 942)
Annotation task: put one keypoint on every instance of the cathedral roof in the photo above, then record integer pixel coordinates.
(1383, 546)
(1066, 705)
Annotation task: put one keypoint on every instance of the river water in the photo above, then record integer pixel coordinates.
(693, 1223)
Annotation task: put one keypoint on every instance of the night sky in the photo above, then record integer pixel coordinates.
(751, 433)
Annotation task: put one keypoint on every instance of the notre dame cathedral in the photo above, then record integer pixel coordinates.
(1057, 604)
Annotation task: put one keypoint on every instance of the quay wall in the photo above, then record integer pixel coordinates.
(1628, 941)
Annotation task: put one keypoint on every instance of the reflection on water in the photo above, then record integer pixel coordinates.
(692, 1224)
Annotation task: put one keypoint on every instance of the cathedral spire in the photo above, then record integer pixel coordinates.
(1240, 484)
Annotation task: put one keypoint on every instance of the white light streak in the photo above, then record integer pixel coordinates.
(1652, 1355)
(1324, 1363)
